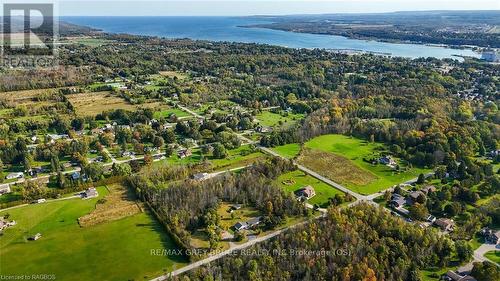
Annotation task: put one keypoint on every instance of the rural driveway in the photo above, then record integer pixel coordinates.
(225, 253)
(483, 249)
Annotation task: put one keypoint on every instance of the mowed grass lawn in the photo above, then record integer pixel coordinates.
(295, 180)
(166, 113)
(288, 150)
(117, 250)
(343, 162)
(493, 256)
(271, 119)
(238, 157)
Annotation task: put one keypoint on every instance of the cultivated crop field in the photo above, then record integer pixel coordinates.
(116, 250)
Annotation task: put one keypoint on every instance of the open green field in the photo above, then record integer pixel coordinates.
(174, 74)
(117, 250)
(238, 157)
(89, 41)
(343, 162)
(270, 119)
(288, 150)
(295, 180)
(434, 274)
(166, 112)
(493, 256)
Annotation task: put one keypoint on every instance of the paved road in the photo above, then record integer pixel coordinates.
(302, 168)
(214, 174)
(48, 200)
(76, 170)
(375, 195)
(359, 198)
(483, 249)
(316, 175)
(113, 159)
(478, 256)
(190, 111)
(226, 252)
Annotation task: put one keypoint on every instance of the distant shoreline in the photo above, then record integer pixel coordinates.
(383, 40)
(248, 30)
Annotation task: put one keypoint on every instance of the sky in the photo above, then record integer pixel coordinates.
(259, 7)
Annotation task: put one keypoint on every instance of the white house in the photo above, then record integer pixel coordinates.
(18, 175)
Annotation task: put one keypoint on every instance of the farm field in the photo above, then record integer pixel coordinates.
(30, 104)
(270, 119)
(295, 180)
(340, 158)
(89, 41)
(90, 104)
(120, 249)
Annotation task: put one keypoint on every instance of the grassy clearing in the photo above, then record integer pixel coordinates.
(173, 74)
(166, 113)
(36, 103)
(89, 41)
(238, 157)
(117, 250)
(493, 256)
(295, 180)
(90, 104)
(194, 158)
(270, 119)
(288, 150)
(24, 96)
(119, 203)
(227, 219)
(434, 274)
(335, 167)
(345, 163)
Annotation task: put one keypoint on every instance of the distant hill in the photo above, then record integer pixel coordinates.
(65, 28)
